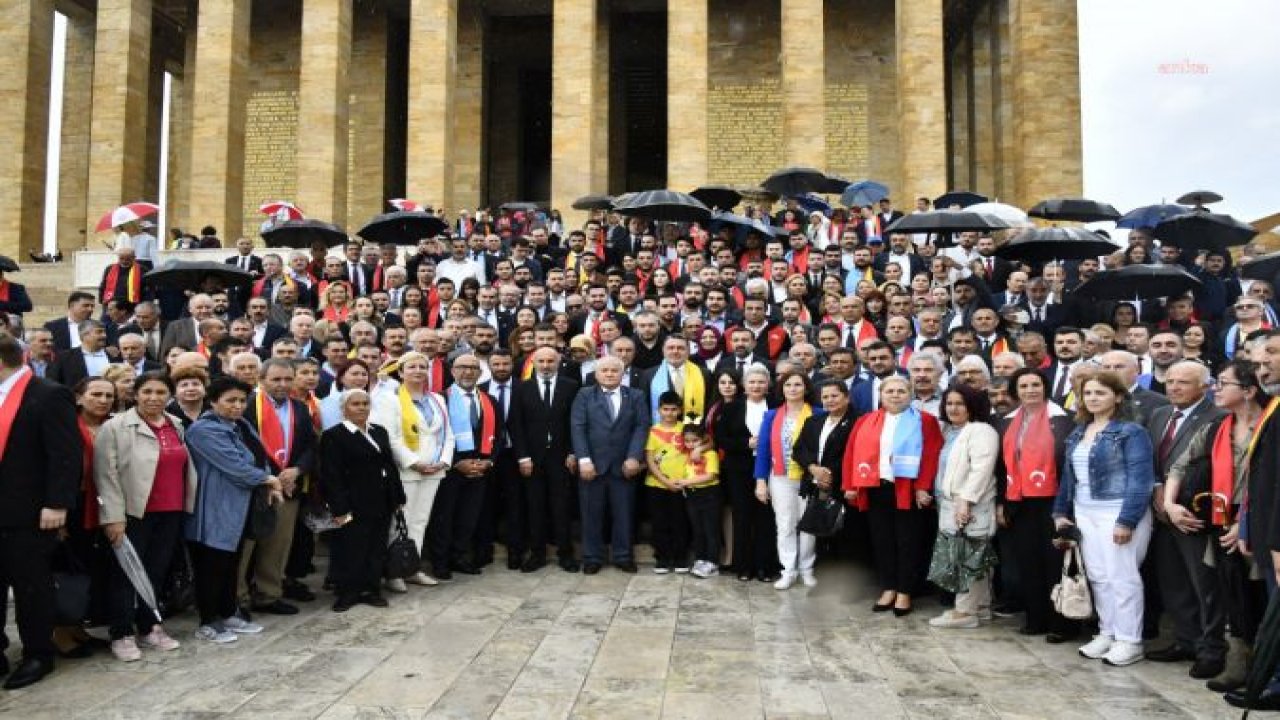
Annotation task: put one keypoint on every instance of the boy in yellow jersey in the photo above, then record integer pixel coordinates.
(665, 453)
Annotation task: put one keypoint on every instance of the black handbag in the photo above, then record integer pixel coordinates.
(823, 515)
(262, 515)
(402, 554)
(71, 590)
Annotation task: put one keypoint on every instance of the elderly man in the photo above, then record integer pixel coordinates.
(133, 352)
(972, 371)
(925, 370)
(122, 279)
(1125, 364)
(185, 332)
(1006, 364)
(88, 360)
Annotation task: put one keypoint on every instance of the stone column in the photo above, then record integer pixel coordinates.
(324, 97)
(77, 110)
(367, 150)
(575, 93)
(961, 94)
(468, 104)
(219, 85)
(922, 112)
(26, 41)
(983, 82)
(121, 68)
(1002, 99)
(804, 83)
(688, 68)
(1048, 158)
(433, 59)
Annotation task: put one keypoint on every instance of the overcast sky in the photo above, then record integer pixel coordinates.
(1181, 95)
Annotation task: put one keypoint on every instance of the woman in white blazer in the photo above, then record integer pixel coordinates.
(417, 422)
(966, 490)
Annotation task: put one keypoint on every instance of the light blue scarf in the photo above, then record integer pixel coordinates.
(908, 444)
(460, 418)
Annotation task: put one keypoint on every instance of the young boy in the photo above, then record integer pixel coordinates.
(701, 486)
(666, 454)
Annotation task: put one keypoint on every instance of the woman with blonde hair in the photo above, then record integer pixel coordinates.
(123, 377)
(335, 303)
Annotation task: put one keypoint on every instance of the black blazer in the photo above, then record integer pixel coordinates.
(1204, 413)
(806, 450)
(356, 478)
(538, 432)
(255, 264)
(498, 426)
(19, 301)
(41, 465)
(68, 368)
(61, 331)
(303, 452)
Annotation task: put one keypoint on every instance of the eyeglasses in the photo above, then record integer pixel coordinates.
(1248, 306)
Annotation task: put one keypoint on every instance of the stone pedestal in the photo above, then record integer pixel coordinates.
(575, 93)
(1048, 158)
(688, 70)
(219, 91)
(922, 112)
(324, 96)
(804, 85)
(433, 45)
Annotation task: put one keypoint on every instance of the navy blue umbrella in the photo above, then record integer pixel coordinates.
(1148, 216)
(864, 192)
(812, 203)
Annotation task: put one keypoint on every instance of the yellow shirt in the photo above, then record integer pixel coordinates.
(667, 446)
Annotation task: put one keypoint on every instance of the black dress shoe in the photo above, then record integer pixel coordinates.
(532, 565)
(295, 590)
(591, 568)
(1205, 668)
(882, 607)
(442, 575)
(344, 603)
(627, 566)
(1173, 653)
(279, 607)
(77, 652)
(29, 672)
(902, 612)
(769, 577)
(465, 568)
(1268, 700)
(514, 563)
(1057, 638)
(569, 565)
(373, 599)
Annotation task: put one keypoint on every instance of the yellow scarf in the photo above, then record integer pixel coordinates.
(1257, 429)
(409, 418)
(695, 395)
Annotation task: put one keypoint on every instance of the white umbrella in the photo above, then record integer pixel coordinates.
(1010, 214)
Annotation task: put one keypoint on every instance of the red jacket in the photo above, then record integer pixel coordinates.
(904, 488)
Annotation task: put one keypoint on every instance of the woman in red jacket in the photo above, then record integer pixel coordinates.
(889, 467)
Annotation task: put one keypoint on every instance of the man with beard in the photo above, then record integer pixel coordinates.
(648, 340)
(865, 395)
(743, 354)
(693, 297)
(770, 338)
(1068, 348)
(597, 309)
(1165, 349)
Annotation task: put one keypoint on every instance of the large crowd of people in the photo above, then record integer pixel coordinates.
(517, 383)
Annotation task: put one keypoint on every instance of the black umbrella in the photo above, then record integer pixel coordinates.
(1200, 197)
(301, 234)
(593, 202)
(1144, 282)
(792, 181)
(940, 221)
(718, 196)
(520, 205)
(1266, 653)
(192, 274)
(1263, 267)
(1074, 209)
(666, 205)
(963, 198)
(403, 227)
(1150, 215)
(834, 185)
(1201, 229)
(744, 223)
(8, 265)
(1056, 243)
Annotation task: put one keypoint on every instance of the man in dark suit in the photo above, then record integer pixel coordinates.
(1068, 347)
(609, 426)
(72, 366)
(66, 331)
(1190, 589)
(900, 252)
(501, 387)
(40, 453)
(865, 392)
(678, 375)
(184, 332)
(539, 429)
(1125, 364)
(287, 434)
(133, 352)
(597, 297)
(15, 298)
(626, 241)
(356, 272)
(265, 332)
(887, 213)
(244, 258)
(995, 270)
(742, 353)
(461, 495)
(147, 324)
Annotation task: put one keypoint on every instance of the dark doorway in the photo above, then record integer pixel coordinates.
(517, 104)
(638, 101)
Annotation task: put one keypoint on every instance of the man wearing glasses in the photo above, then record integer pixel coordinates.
(1249, 319)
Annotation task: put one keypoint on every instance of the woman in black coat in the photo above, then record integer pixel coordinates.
(361, 484)
(736, 423)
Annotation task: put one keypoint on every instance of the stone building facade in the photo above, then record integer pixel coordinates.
(341, 104)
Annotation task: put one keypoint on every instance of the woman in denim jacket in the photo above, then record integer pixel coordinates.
(1106, 487)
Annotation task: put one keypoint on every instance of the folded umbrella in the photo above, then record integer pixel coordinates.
(193, 273)
(940, 221)
(963, 198)
(793, 181)
(1056, 243)
(1201, 229)
(718, 196)
(1008, 213)
(403, 227)
(1200, 197)
(126, 213)
(863, 193)
(133, 569)
(664, 205)
(1143, 282)
(593, 202)
(1074, 209)
(1149, 216)
(302, 234)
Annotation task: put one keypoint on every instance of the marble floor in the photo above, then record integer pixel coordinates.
(553, 645)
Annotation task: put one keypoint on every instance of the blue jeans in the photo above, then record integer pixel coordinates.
(620, 494)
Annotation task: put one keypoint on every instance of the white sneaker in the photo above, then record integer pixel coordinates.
(241, 626)
(158, 639)
(396, 585)
(1097, 647)
(808, 579)
(215, 634)
(661, 570)
(421, 578)
(682, 569)
(710, 569)
(126, 649)
(954, 620)
(785, 582)
(1123, 653)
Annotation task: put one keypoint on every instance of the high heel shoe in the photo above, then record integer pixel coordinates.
(902, 612)
(882, 607)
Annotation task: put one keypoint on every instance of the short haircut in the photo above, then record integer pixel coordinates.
(273, 363)
(224, 384)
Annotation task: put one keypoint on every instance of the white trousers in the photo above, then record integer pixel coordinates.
(419, 497)
(796, 550)
(1113, 570)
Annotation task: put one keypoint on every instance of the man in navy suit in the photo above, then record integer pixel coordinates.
(609, 425)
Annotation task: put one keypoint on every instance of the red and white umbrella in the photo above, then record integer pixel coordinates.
(404, 205)
(281, 210)
(125, 214)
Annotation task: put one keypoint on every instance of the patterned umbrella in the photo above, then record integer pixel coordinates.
(126, 214)
(281, 210)
(403, 204)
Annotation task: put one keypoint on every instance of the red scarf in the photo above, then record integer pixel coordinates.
(1029, 459)
(1223, 471)
(87, 487)
(9, 408)
(133, 289)
(437, 375)
(313, 407)
(272, 433)
(800, 260)
(4, 291)
(861, 464)
(488, 423)
(336, 314)
(526, 369)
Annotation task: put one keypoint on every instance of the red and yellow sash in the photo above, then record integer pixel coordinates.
(133, 284)
(9, 408)
(271, 431)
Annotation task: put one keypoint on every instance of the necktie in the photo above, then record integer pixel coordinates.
(608, 398)
(502, 397)
(1060, 387)
(742, 364)
(244, 262)
(991, 268)
(1166, 442)
(1039, 313)
(546, 392)
(475, 411)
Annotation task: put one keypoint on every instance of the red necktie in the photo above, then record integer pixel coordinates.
(990, 268)
(1166, 441)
